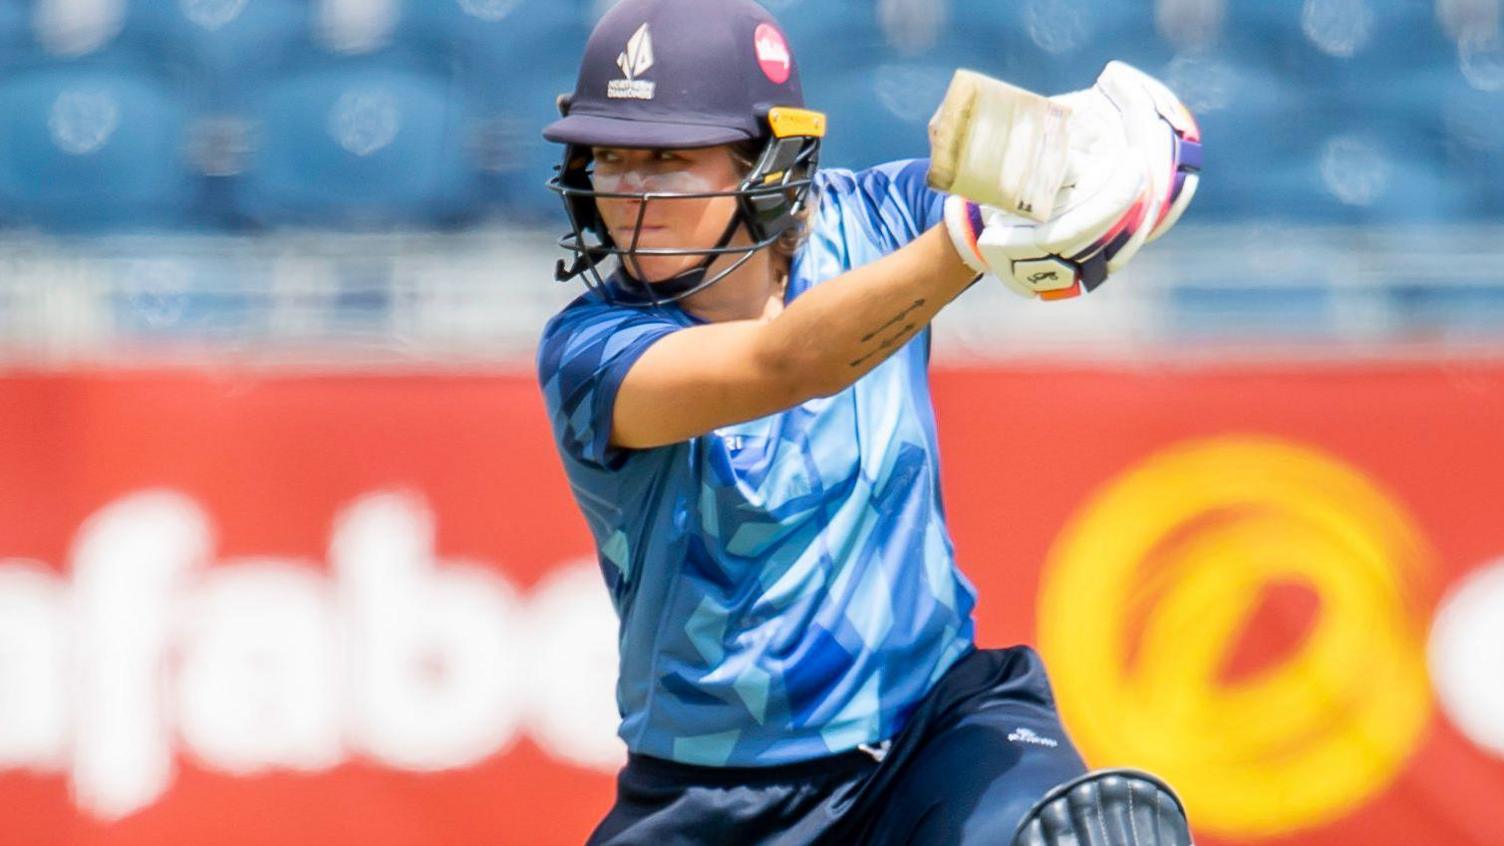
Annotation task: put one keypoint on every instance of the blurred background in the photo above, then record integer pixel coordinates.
(276, 493)
(255, 177)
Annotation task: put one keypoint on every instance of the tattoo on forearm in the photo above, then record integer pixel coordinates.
(894, 339)
(917, 304)
(888, 343)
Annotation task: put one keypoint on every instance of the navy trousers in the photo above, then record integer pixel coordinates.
(978, 751)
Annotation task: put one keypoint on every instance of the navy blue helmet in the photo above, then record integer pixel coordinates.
(681, 74)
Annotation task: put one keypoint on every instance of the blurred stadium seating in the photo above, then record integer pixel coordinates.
(253, 118)
(94, 142)
(364, 139)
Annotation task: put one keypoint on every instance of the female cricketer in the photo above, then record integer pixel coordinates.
(741, 403)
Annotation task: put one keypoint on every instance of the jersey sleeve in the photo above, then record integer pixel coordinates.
(898, 199)
(583, 357)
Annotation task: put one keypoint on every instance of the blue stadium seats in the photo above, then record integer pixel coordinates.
(15, 28)
(880, 76)
(879, 113)
(828, 37)
(517, 161)
(374, 140)
(1474, 147)
(512, 57)
(499, 44)
(1077, 38)
(1256, 148)
(881, 73)
(1298, 103)
(838, 48)
(227, 44)
(93, 143)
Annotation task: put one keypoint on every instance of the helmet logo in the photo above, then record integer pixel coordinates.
(773, 53)
(636, 61)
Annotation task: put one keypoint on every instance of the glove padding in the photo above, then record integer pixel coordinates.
(1133, 168)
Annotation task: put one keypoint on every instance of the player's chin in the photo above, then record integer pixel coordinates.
(659, 268)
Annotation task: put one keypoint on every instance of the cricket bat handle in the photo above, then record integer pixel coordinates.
(999, 145)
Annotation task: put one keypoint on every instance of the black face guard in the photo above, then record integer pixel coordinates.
(768, 202)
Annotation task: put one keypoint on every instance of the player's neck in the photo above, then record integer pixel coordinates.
(751, 292)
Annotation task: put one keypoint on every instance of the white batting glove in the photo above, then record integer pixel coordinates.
(1134, 165)
(1159, 127)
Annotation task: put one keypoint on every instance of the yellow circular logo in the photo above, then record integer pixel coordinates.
(1150, 590)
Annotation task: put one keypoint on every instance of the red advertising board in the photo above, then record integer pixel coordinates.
(243, 607)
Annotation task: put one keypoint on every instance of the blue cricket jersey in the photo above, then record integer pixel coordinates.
(786, 586)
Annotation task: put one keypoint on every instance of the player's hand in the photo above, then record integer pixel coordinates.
(1157, 126)
(1134, 163)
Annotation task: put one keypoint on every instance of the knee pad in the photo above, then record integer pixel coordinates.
(1107, 808)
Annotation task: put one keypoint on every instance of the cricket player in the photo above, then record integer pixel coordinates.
(741, 403)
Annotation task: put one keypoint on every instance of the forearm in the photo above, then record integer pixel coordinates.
(839, 330)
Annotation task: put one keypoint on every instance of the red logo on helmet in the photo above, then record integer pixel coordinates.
(773, 54)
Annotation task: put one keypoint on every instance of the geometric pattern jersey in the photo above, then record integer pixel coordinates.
(786, 587)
